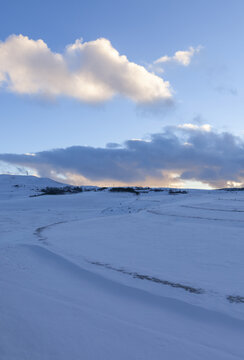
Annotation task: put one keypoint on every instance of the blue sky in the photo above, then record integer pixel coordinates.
(208, 91)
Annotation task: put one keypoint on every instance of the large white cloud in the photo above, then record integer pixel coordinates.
(91, 71)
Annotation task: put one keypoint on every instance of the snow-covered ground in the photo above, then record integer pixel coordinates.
(101, 275)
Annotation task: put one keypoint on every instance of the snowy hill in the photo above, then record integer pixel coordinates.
(21, 185)
(118, 275)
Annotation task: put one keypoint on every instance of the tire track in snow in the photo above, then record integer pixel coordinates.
(136, 275)
(237, 299)
(39, 231)
(193, 217)
(211, 209)
(233, 299)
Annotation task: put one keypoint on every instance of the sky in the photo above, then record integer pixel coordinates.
(123, 92)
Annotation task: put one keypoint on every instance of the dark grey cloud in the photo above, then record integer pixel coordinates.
(194, 152)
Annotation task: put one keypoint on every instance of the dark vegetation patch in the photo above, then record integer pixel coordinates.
(142, 188)
(235, 299)
(175, 192)
(124, 190)
(69, 189)
(135, 275)
(66, 189)
(233, 189)
(136, 189)
(59, 190)
(53, 191)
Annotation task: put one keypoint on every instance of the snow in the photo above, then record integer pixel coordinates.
(100, 275)
(26, 185)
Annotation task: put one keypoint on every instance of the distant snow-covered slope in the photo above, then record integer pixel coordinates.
(21, 185)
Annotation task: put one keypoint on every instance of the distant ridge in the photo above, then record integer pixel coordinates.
(24, 185)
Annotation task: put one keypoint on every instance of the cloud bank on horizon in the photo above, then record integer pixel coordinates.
(90, 72)
(178, 154)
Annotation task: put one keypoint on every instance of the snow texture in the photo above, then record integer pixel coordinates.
(103, 275)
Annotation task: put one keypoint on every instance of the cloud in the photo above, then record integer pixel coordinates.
(91, 72)
(180, 57)
(178, 154)
(189, 126)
